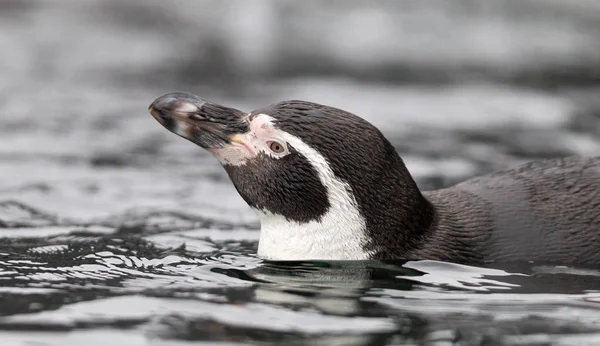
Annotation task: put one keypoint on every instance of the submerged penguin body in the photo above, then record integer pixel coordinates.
(326, 184)
(544, 211)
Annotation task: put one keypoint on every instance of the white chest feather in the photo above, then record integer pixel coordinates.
(338, 235)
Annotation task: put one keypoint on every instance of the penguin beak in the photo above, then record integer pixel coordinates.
(204, 123)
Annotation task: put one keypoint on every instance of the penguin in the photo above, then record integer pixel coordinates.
(327, 185)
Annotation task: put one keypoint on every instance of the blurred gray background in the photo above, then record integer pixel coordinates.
(460, 88)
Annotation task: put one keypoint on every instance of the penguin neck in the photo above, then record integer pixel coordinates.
(375, 211)
(398, 218)
(379, 214)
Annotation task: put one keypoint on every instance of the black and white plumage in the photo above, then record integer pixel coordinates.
(327, 184)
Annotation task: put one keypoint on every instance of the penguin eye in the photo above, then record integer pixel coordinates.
(276, 147)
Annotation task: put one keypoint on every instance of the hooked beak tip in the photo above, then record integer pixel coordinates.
(153, 111)
(207, 124)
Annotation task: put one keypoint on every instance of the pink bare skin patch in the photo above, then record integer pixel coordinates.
(246, 146)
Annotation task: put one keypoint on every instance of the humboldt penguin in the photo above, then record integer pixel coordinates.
(327, 185)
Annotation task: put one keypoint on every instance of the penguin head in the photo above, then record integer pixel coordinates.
(298, 164)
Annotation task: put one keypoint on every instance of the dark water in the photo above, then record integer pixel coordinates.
(135, 285)
(115, 232)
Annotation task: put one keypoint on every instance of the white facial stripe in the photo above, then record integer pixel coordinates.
(340, 234)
